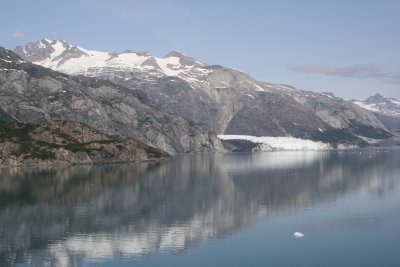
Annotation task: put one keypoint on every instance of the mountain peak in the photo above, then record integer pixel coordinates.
(380, 104)
(376, 98)
(175, 53)
(41, 50)
(7, 57)
(45, 41)
(185, 60)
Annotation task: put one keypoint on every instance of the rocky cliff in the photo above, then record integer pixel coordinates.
(61, 142)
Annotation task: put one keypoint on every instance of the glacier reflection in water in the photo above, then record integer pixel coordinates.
(86, 214)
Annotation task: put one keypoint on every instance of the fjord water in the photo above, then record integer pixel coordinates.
(207, 210)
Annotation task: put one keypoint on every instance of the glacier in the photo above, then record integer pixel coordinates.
(268, 143)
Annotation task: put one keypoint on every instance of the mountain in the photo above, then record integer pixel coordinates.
(386, 109)
(380, 104)
(33, 94)
(228, 100)
(62, 142)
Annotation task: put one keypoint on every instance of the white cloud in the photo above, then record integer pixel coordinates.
(18, 35)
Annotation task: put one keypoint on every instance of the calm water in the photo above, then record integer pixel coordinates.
(207, 210)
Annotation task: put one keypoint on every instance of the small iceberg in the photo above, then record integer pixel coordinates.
(298, 235)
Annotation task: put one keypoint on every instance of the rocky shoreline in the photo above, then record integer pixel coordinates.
(68, 143)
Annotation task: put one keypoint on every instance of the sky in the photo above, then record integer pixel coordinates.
(347, 47)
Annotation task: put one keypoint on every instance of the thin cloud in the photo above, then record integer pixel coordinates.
(357, 71)
(392, 80)
(18, 35)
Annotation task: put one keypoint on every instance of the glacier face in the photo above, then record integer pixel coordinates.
(265, 143)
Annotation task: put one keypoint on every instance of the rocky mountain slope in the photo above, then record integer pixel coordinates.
(386, 109)
(61, 142)
(33, 94)
(227, 100)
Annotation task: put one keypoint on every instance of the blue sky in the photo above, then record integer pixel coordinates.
(348, 47)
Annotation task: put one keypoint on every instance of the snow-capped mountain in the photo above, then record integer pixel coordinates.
(380, 104)
(74, 60)
(386, 109)
(228, 100)
(33, 94)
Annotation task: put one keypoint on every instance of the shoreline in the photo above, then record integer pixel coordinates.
(38, 165)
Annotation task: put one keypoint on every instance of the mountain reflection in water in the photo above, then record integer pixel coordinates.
(69, 215)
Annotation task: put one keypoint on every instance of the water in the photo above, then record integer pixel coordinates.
(207, 210)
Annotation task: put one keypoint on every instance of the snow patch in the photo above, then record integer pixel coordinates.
(285, 87)
(4, 69)
(42, 45)
(8, 61)
(171, 66)
(326, 95)
(258, 88)
(225, 84)
(249, 95)
(98, 63)
(366, 106)
(394, 101)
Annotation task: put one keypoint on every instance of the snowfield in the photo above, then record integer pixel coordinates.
(268, 143)
(371, 107)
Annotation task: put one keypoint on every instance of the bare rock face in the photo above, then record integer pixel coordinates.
(33, 94)
(62, 142)
(343, 117)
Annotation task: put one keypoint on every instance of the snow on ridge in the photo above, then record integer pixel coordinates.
(95, 63)
(279, 143)
(41, 45)
(325, 94)
(50, 62)
(172, 66)
(258, 88)
(249, 95)
(394, 101)
(285, 87)
(366, 106)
